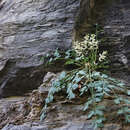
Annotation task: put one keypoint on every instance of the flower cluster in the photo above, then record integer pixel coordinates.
(102, 56)
(88, 44)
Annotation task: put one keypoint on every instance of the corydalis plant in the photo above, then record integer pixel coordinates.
(88, 51)
(89, 44)
(88, 81)
(82, 53)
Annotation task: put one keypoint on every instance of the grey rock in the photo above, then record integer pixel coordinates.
(113, 17)
(48, 77)
(69, 126)
(23, 127)
(28, 30)
(39, 128)
(76, 126)
(13, 127)
(47, 80)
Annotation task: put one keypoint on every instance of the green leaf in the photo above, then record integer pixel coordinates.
(104, 76)
(128, 92)
(101, 107)
(127, 118)
(91, 85)
(69, 62)
(50, 98)
(99, 121)
(99, 94)
(78, 58)
(68, 54)
(83, 90)
(87, 104)
(126, 109)
(98, 99)
(43, 116)
(47, 100)
(121, 84)
(74, 86)
(120, 112)
(111, 86)
(91, 113)
(107, 89)
(71, 95)
(62, 75)
(69, 87)
(56, 83)
(47, 55)
(100, 124)
(107, 93)
(82, 72)
(96, 74)
(126, 101)
(57, 54)
(51, 59)
(117, 101)
(95, 125)
(99, 89)
(42, 59)
(52, 90)
(98, 112)
(77, 79)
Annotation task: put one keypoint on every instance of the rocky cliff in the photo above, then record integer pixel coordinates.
(113, 18)
(31, 29)
(28, 30)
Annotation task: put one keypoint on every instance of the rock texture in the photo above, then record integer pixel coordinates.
(31, 28)
(113, 17)
(28, 30)
(69, 126)
(117, 32)
(18, 113)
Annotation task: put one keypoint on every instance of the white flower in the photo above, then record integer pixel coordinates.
(102, 56)
(89, 43)
(86, 37)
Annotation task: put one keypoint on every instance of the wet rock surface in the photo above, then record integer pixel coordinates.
(28, 30)
(18, 113)
(62, 115)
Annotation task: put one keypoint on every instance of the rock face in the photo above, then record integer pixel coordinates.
(69, 126)
(117, 31)
(23, 113)
(28, 30)
(113, 17)
(32, 28)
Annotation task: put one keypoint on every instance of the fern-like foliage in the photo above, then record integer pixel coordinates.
(97, 85)
(88, 81)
